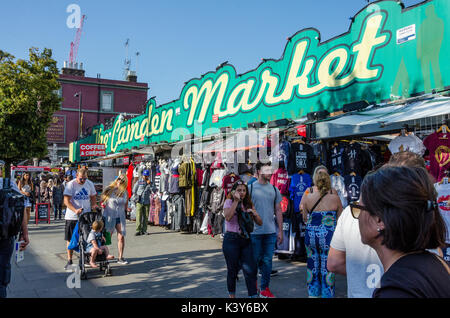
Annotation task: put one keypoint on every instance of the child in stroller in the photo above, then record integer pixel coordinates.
(95, 246)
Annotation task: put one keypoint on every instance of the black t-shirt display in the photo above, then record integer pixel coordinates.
(418, 275)
(352, 159)
(301, 157)
(353, 187)
(336, 158)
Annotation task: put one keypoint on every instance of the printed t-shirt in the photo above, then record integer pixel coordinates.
(337, 160)
(264, 196)
(443, 198)
(353, 187)
(301, 157)
(299, 184)
(280, 179)
(439, 154)
(80, 197)
(352, 159)
(407, 143)
(361, 261)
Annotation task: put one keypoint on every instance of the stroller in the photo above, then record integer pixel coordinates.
(84, 228)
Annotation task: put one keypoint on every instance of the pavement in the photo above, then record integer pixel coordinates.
(164, 264)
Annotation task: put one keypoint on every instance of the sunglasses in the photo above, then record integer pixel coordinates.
(121, 180)
(83, 179)
(356, 209)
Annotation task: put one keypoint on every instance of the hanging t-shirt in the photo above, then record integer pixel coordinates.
(280, 179)
(353, 187)
(338, 183)
(299, 184)
(443, 191)
(337, 160)
(438, 145)
(280, 153)
(352, 159)
(80, 197)
(320, 154)
(407, 143)
(301, 157)
(217, 178)
(228, 181)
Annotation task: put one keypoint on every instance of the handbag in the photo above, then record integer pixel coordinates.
(245, 222)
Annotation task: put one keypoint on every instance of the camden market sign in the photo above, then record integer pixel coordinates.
(388, 52)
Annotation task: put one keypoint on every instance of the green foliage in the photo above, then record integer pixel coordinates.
(28, 99)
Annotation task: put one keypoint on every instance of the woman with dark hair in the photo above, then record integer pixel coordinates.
(237, 245)
(399, 218)
(320, 209)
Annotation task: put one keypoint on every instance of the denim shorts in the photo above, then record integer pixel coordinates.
(117, 221)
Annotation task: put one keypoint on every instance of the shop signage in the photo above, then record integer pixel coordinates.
(366, 63)
(92, 150)
(42, 212)
(56, 132)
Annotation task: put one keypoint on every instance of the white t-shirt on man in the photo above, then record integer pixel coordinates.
(364, 268)
(80, 197)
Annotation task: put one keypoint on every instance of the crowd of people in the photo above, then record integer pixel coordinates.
(394, 229)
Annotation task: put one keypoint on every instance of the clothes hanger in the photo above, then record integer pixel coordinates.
(337, 174)
(353, 174)
(301, 172)
(444, 129)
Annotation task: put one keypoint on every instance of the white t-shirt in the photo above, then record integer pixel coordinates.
(80, 197)
(364, 268)
(443, 191)
(407, 143)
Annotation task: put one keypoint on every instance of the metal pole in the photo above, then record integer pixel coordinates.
(79, 114)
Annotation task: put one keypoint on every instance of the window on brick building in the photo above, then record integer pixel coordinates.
(107, 101)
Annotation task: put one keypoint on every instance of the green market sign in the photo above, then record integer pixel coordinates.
(388, 52)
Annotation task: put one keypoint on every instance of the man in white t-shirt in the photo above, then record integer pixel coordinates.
(349, 256)
(79, 197)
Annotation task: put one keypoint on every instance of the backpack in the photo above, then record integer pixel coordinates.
(12, 206)
(245, 222)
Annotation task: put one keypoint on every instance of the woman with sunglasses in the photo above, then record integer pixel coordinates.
(237, 245)
(26, 188)
(320, 209)
(399, 218)
(115, 203)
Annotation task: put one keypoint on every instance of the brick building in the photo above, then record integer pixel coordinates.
(101, 100)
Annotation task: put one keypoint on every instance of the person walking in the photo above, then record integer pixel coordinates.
(49, 193)
(399, 218)
(26, 188)
(7, 247)
(80, 197)
(320, 210)
(57, 198)
(141, 192)
(266, 199)
(115, 204)
(237, 245)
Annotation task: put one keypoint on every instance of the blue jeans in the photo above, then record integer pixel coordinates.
(239, 254)
(264, 248)
(6, 251)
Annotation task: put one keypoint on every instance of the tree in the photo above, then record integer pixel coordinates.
(28, 99)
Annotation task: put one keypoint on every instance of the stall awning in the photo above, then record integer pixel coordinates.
(382, 120)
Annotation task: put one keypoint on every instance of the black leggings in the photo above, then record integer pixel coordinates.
(57, 208)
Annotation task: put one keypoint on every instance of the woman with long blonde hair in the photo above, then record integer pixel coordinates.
(115, 202)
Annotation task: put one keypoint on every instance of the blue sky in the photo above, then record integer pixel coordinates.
(177, 40)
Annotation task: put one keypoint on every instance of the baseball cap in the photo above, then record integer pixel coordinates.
(146, 173)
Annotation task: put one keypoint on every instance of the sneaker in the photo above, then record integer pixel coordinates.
(122, 261)
(137, 234)
(68, 265)
(266, 293)
(274, 272)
